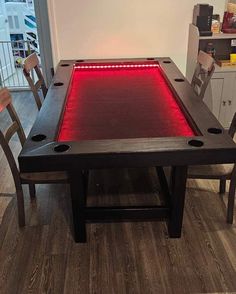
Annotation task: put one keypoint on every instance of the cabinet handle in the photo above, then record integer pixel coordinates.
(229, 102)
(224, 103)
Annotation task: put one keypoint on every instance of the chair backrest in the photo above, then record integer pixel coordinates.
(203, 73)
(232, 128)
(5, 137)
(32, 63)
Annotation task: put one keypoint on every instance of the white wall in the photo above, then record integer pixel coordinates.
(122, 28)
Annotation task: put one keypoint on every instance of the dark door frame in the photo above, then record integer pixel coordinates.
(43, 27)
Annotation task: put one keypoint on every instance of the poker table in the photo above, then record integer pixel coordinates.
(124, 113)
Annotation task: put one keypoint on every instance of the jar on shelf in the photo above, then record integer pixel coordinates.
(210, 49)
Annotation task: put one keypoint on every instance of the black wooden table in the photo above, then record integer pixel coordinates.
(124, 113)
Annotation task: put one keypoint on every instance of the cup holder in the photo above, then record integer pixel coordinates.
(65, 64)
(215, 131)
(166, 61)
(38, 137)
(195, 143)
(61, 148)
(58, 84)
(179, 80)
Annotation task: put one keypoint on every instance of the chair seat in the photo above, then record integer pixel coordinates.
(44, 177)
(210, 171)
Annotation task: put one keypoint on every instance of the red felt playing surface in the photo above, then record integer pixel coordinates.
(119, 104)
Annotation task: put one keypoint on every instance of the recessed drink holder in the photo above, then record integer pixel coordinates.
(179, 80)
(79, 60)
(150, 58)
(215, 131)
(61, 148)
(38, 137)
(65, 64)
(58, 84)
(195, 143)
(166, 61)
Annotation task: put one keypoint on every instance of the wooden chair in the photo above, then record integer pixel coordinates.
(221, 172)
(22, 178)
(203, 73)
(31, 64)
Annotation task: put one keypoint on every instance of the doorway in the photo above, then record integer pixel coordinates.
(6, 59)
(41, 12)
(24, 29)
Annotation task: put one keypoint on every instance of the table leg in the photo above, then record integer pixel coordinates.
(178, 187)
(78, 203)
(164, 184)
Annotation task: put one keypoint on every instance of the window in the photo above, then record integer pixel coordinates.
(32, 42)
(13, 21)
(32, 35)
(17, 40)
(31, 17)
(29, 24)
(10, 22)
(16, 19)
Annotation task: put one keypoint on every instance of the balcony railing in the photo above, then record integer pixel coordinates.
(12, 55)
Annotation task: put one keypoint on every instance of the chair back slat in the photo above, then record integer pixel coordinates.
(5, 98)
(41, 78)
(31, 64)
(15, 118)
(11, 131)
(197, 81)
(38, 84)
(202, 74)
(205, 60)
(232, 128)
(34, 91)
(11, 160)
(15, 127)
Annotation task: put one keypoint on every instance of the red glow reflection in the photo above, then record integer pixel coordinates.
(128, 101)
(115, 66)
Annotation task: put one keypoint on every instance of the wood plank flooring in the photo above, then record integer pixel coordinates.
(118, 257)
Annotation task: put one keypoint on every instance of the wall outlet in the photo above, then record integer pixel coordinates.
(233, 42)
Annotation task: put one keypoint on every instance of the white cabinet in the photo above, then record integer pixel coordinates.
(215, 89)
(220, 95)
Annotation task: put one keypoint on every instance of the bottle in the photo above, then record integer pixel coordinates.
(210, 49)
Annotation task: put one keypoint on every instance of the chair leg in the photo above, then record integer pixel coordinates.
(32, 191)
(222, 186)
(21, 207)
(231, 199)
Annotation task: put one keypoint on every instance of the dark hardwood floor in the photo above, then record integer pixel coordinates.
(118, 257)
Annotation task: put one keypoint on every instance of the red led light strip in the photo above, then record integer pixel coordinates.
(115, 66)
